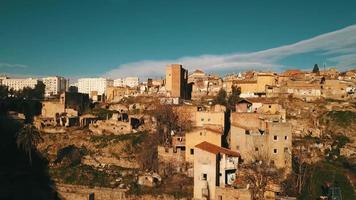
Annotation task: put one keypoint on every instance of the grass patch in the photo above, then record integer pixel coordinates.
(83, 175)
(105, 140)
(102, 113)
(327, 172)
(343, 118)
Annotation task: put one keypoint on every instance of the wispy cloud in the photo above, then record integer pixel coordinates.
(8, 65)
(338, 46)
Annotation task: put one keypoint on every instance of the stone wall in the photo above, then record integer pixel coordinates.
(78, 192)
(232, 194)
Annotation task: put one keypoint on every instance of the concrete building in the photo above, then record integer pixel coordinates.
(177, 81)
(199, 135)
(88, 85)
(114, 94)
(252, 86)
(55, 85)
(214, 168)
(19, 83)
(261, 133)
(64, 111)
(337, 89)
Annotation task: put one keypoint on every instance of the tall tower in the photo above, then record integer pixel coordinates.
(177, 81)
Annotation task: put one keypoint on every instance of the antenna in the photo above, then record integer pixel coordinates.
(324, 66)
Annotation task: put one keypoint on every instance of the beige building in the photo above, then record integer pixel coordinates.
(117, 93)
(199, 135)
(254, 86)
(177, 81)
(215, 168)
(303, 89)
(337, 89)
(257, 138)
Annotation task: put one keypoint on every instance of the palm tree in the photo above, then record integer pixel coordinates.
(27, 139)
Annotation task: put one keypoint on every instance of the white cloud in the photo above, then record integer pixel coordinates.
(8, 65)
(339, 47)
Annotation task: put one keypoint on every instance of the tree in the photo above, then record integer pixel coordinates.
(4, 92)
(27, 139)
(234, 97)
(220, 98)
(73, 89)
(169, 119)
(316, 68)
(261, 174)
(148, 155)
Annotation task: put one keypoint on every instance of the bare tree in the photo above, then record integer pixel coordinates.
(170, 118)
(261, 174)
(148, 156)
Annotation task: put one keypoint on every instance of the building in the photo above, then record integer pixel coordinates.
(253, 85)
(128, 81)
(177, 81)
(261, 132)
(2, 78)
(64, 111)
(131, 81)
(118, 82)
(337, 89)
(19, 84)
(214, 168)
(55, 85)
(114, 94)
(89, 85)
(199, 135)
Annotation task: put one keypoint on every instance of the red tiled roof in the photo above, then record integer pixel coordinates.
(206, 146)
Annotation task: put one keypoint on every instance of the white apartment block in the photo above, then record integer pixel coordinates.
(19, 84)
(54, 85)
(128, 81)
(88, 85)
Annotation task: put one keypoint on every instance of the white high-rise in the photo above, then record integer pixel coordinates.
(19, 83)
(55, 85)
(88, 85)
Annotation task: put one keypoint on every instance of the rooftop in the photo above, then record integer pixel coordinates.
(206, 146)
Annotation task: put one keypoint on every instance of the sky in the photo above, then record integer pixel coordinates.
(117, 38)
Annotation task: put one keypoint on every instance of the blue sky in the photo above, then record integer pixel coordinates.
(116, 38)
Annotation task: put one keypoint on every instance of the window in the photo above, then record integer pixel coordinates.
(237, 147)
(208, 119)
(285, 137)
(202, 119)
(204, 177)
(275, 151)
(191, 151)
(269, 106)
(219, 197)
(201, 133)
(256, 148)
(272, 162)
(275, 138)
